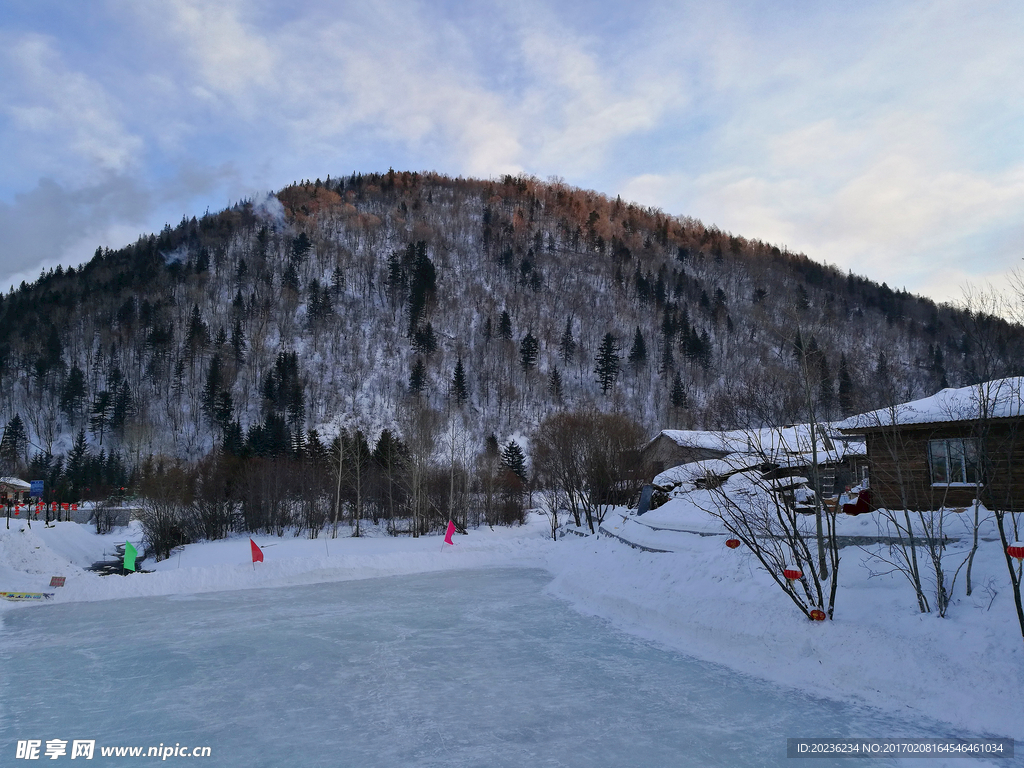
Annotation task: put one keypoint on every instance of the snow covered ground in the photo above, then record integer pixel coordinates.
(701, 599)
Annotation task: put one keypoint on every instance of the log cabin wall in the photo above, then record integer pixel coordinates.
(900, 475)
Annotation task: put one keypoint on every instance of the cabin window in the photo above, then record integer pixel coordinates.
(954, 461)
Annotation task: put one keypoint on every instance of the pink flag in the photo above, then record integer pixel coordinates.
(448, 533)
(257, 553)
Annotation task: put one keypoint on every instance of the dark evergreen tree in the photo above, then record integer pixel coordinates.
(418, 377)
(99, 413)
(197, 335)
(13, 445)
(607, 365)
(290, 278)
(846, 388)
(424, 340)
(638, 352)
(505, 325)
(422, 286)
(73, 393)
(123, 407)
(238, 342)
(668, 362)
(514, 459)
(555, 384)
(567, 344)
(460, 391)
(529, 348)
(679, 397)
(214, 382)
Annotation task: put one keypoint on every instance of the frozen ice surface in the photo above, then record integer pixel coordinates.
(470, 668)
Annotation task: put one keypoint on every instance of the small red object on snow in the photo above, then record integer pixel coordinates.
(1016, 550)
(732, 543)
(817, 615)
(257, 553)
(792, 573)
(448, 533)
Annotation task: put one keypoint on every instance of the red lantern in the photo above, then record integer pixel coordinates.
(792, 573)
(1016, 550)
(817, 615)
(732, 543)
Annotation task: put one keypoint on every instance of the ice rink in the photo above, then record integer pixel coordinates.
(465, 668)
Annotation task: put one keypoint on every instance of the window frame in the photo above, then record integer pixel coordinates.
(953, 462)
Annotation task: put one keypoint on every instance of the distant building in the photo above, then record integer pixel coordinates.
(947, 449)
(13, 490)
(841, 460)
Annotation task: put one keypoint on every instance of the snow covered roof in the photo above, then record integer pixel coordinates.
(15, 483)
(775, 443)
(999, 399)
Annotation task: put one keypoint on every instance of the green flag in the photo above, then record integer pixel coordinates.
(129, 556)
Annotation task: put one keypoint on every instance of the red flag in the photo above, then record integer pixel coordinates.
(257, 553)
(448, 533)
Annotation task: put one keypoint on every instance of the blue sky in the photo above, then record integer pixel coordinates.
(885, 138)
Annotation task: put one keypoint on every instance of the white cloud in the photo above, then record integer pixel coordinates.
(63, 122)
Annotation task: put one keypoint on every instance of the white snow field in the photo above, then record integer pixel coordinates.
(398, 651)
(463, 668)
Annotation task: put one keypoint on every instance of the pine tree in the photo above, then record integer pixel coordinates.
(638, 352)
(607, 367)
(73, 393)
(214, 381)
(123, 407)
(667, 360)
(567, 344)
(514, 459)
(13, 444)
(418, 377)
(505, 325)
(555, 384)
(846, 388)
(679, 397)
(528, 351)
(424, 340)
(460, 392)
(238, 342)
(99, 417)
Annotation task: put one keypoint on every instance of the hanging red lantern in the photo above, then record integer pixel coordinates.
(732, 543)
(817, 615)
(792, 573)
(1016, 550)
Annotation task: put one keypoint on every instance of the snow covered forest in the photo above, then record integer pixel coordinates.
(428, 326)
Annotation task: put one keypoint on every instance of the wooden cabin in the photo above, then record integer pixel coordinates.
(948, 449)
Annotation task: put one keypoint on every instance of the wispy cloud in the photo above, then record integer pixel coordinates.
(877, 136)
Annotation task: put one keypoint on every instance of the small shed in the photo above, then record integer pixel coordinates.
(948, 449)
